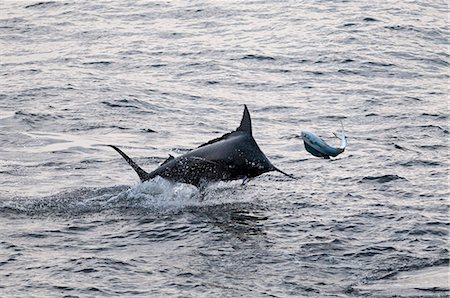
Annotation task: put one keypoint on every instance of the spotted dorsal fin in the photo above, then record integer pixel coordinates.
(246, 122)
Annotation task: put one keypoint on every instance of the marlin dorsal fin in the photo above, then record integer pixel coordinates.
(246, 122)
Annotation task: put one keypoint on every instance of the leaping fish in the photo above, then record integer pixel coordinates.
(318, 147)
(233, 156)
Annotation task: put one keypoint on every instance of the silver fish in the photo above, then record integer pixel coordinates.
(318, 147)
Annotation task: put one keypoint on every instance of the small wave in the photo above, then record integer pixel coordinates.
(431, 278)
(98, 63)
(334, 245)
(257, 57)
(369, 19)
(423, 163)
(372, 251)
(119, 104)
(378, 64)
(434, 289)
(433, 127)
(88, 126)
(413, 98)
(382, 179)
(438, 116)
(158, 65)
(433, 147)
(316, 73)
(402, 28)
(274, 108)
(348, 71)
(136, 104)
(36, 116)
(45, 4)
(148, 130)
(419, 231)
(396, 146)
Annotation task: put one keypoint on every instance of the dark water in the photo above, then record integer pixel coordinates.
(160, 78)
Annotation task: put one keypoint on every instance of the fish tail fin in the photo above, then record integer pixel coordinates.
(342, 137)
(143, 175)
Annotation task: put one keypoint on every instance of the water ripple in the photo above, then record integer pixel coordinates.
(79, 75)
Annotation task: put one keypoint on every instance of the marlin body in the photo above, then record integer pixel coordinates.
(233, 156)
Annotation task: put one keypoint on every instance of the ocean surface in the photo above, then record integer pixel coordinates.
(162, 77)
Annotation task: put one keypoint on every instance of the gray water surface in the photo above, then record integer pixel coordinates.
(159, 78)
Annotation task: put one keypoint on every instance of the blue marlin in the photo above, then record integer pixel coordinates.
(233, 156)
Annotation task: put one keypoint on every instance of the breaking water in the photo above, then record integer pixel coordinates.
(159, 78)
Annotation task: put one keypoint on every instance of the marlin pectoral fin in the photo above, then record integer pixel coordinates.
(284, 173)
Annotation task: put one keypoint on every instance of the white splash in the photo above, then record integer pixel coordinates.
(157, 193)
